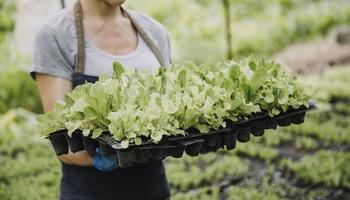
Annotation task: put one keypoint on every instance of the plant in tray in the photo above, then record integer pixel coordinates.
(268, 85)
(135, 106)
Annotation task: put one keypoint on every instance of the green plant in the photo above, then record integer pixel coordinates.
(243, 193)
(18, 90)
(330, 86)
(189, 177)
(259, 28)
(29, 170)
(342, 108)
(256, 150)
(167, 102)
(276, 137)
(328, 131)
(17, 87)
(201, 193)
(7, 9)
(325, 167)
(195, 172)
(305, 143)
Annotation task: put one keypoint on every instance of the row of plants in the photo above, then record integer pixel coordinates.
(17, 87)
(29, 169)
(328, 131)
(325, 167)
(256, 150)
(192, 173)
(167, 102)
(18, 90)
(246, 193)
(330, 86)
(202, 193)
(200, 36)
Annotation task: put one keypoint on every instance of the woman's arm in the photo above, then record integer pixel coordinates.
(51, 90)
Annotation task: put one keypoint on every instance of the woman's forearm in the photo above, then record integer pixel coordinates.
(53, 89)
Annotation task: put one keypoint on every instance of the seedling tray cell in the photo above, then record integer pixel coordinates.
(258, 128)
(141, 156)
(211, 140)
(158, 153)
(271, 123)
(219, 142)
(75, 142)
(193, 143)
(243, 134)
(59, 142)
(106, 150)
(298, 118)
(90, 144)
(176, 151)
(230, 140)
(126, 158)
(193, 147)
(284, 121)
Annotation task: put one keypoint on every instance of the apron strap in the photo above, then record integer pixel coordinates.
(79, 26)
(145, 36)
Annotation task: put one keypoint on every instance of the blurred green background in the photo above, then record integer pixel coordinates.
(309, 161)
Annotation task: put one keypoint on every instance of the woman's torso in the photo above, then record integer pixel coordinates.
(143, 181)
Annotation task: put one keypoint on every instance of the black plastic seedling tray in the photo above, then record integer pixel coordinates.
(193, 143)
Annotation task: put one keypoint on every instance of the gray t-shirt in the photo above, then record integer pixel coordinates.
(55, 48)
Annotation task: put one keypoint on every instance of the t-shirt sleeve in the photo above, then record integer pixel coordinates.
(48, 55)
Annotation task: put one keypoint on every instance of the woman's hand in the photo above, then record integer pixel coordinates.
(80, 158)
(51, 90)
(104, 163)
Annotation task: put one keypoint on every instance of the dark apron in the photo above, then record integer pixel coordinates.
(142, 181)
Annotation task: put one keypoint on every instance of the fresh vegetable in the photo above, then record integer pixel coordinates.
(135, 105)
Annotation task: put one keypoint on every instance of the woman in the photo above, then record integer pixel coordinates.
(78, 45)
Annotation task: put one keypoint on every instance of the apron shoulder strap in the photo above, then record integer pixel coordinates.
(79, 27)
(145, 36)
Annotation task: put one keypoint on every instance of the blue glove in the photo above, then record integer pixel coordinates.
(104, 163)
